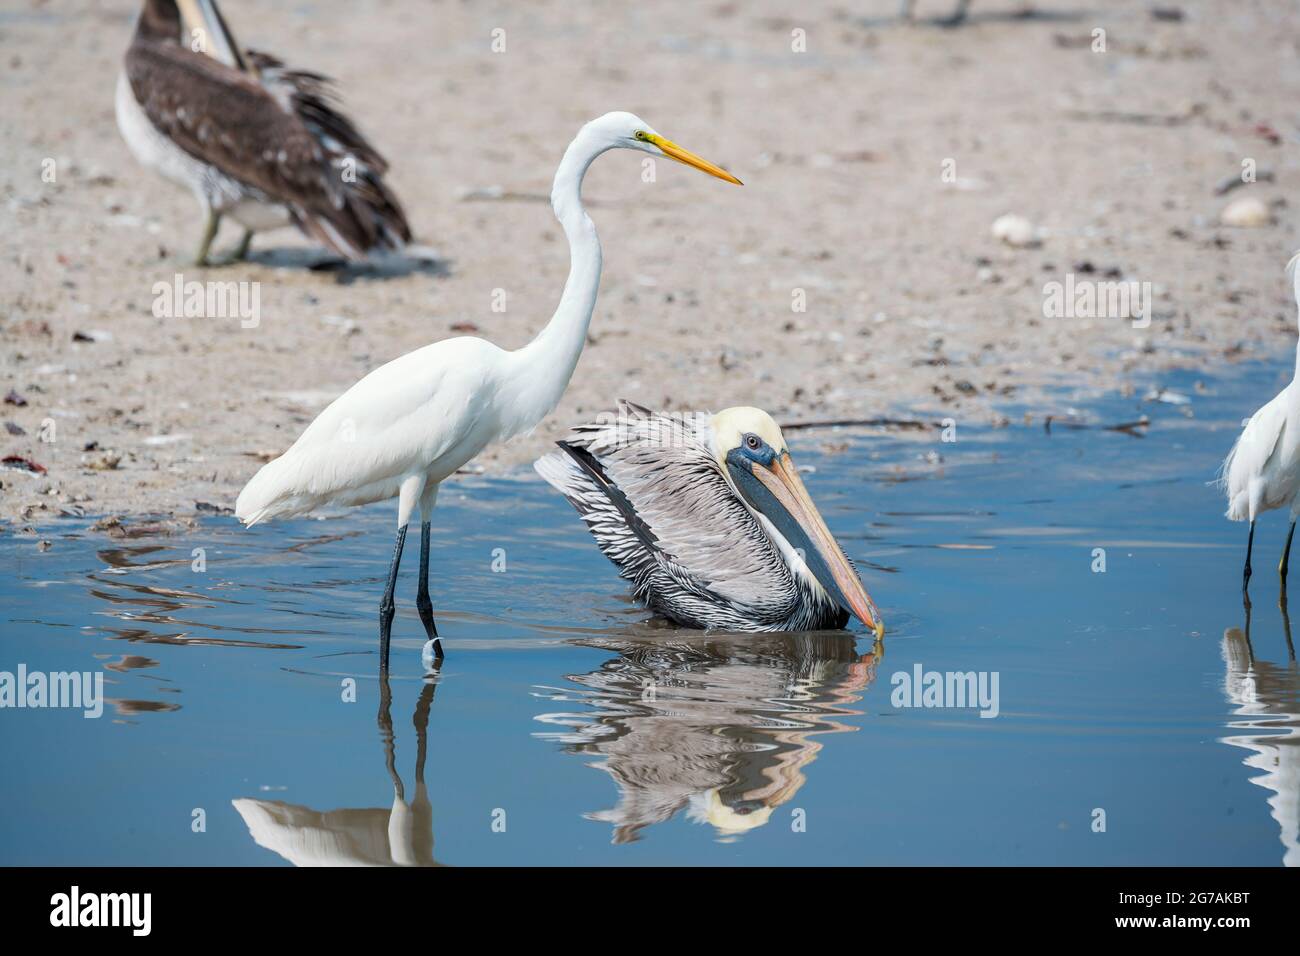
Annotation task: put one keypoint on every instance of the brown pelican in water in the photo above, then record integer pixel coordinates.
(708, 518)
(250, 137)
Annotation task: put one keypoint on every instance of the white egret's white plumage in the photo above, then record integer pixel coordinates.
(707, 517)
(1262, 471)
(411, 423)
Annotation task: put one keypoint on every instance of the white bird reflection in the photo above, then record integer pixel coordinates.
(721, 726)
(1267, 701)
(398, 836)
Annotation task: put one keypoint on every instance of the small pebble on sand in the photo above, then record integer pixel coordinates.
(1245, 213)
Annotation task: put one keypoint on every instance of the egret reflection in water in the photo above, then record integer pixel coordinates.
(1267, 701)
(721, 726)
(398, 836)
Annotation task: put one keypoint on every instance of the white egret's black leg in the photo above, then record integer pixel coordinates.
(1245, 572)
(1286, 556)
(422, 600)
(209, 233)
(386, 607)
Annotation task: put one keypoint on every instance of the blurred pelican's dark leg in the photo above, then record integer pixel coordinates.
(386, 607)
(209, 233)
(1245, 572)
(957, 17)
(422, 600)
(241, 250)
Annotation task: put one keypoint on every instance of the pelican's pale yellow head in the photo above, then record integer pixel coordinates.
(752, 453)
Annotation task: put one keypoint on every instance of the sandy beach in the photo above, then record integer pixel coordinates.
(876, 156)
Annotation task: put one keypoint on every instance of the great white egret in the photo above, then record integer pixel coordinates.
(708, 518)
(411, 423)
(1262, 471)
(250, 137)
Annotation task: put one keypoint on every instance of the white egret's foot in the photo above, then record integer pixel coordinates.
(431, 654)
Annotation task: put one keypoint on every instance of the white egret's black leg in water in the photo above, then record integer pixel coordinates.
(1286, 556)
(386, 607)
(1245, 572)
(422, 600)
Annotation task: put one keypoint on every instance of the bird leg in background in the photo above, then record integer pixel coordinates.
(241, 250)
(1245, 572)
(386, 607)
(209, 233)
(423, 603)
(1286, 558)
(1286, 626)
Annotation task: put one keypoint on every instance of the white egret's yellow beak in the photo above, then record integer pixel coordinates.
(805, 528)
(673, 151)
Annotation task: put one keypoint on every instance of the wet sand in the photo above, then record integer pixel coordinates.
(913, 307)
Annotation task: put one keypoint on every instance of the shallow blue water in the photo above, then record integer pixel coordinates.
(565, 728)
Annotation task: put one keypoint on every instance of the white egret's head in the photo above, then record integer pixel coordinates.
(751, 451)
(620, 130)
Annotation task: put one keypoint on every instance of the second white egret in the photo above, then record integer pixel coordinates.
(1262, 472)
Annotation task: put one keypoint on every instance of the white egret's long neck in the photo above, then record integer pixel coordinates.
(541, 370)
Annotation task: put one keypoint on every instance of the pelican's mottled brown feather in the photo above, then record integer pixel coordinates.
(274, 131)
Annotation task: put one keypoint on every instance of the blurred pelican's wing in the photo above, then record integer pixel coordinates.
(660, 508)
(277, 134)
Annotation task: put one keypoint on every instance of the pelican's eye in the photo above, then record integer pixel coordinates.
(753, 442)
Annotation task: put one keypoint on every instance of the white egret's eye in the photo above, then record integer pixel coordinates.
(640, 134)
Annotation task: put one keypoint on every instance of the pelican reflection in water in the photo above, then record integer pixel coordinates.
(721, 726)
(398, 836)
(1267, 701)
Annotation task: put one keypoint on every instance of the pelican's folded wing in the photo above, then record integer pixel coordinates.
(660, 508)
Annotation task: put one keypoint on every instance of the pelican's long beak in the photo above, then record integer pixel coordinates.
(215, 37)
(782, 498)
(673, 151)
